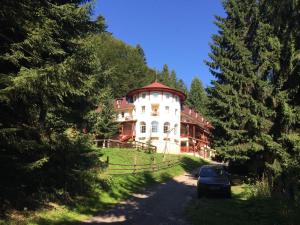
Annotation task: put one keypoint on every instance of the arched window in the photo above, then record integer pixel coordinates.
(166, 127)
(143, 127)
(154, 126)
(175, 129)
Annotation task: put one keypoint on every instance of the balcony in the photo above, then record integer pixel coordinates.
(154, 113)
(128, 118)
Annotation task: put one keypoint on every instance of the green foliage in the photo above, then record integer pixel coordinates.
(244, 208)
(197, 97)
(116, 65)
(102, 122)
(44, 76)
(110, 190)
(255, 98)
(170, 79)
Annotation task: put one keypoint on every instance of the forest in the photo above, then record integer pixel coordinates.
(57, 66)
(255, 97)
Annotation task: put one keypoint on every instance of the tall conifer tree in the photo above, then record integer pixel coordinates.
(238, 96)
(197, 97)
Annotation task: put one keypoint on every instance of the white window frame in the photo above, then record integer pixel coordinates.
(154, 126)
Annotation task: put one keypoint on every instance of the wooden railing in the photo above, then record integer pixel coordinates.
(135, 168)
(110, 143)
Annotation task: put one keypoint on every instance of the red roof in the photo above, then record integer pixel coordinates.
(189, 115)
(156, 86)
(122, 103)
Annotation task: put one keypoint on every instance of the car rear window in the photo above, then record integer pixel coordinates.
(211, 172)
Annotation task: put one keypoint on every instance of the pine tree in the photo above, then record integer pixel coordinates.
(141, 52)
(165, 75)
(238, 97)
(45, 71)
(102, 122)
(197, 97)
(173, 79)
(255, 98)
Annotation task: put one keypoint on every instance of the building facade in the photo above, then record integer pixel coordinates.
(156, 114)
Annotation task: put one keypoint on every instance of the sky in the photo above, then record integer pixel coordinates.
(172, 32)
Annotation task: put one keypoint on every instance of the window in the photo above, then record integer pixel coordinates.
(155, 109)
(175, 129)
(154, 126)
(143, 127)
(143, 95)
(167, 109)
(155, 94)
(143, 109)
(167, 96)
(176, 111)
(122, 113)
(166, 127)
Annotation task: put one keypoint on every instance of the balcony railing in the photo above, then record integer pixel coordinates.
(128, 118)
(154, 114)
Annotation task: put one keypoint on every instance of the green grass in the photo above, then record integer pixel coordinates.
(109, 190)
(243, 209)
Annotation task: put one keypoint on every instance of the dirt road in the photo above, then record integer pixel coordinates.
(162, 204)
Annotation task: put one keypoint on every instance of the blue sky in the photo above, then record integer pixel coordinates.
(173, 32)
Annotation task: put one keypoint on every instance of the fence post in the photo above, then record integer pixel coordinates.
(134, 166)
(107, 161)
(153, 164)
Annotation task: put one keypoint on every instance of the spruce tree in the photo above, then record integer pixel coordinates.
(197, 97)
(238, 98)
(165, 75)
(45, 71)
(141, 52)
(173, 79)
(102, 122)
(255, 98)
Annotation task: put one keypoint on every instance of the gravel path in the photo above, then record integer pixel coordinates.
(162, 204)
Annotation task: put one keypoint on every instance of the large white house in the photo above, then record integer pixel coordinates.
(156, 114)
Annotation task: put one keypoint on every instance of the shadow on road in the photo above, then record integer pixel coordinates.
(162, 204)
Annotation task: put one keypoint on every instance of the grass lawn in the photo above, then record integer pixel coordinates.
(243, 209)
(110, 189)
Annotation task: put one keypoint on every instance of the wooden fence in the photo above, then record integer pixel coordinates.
(126, 169)
(110, 143)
